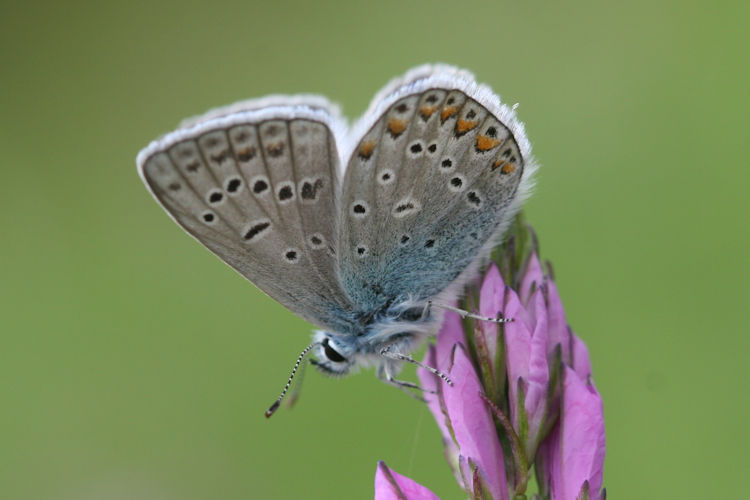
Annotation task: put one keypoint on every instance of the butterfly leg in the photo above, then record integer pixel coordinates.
(406, 386)
(387, 353)
(426, 310)
(467, 314)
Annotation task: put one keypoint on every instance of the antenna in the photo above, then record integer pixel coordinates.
(403, 357)
(275, 406)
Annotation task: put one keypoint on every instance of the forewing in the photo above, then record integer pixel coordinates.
(259, 189)
(432, 182)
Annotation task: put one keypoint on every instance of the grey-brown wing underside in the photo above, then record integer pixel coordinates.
(430, 184)
(259, 189)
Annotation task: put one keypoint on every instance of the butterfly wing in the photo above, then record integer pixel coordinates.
(440, 171)
(257, 184)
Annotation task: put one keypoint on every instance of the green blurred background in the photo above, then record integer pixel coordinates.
(133, 364)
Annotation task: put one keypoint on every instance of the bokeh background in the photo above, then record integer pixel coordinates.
(133, 364)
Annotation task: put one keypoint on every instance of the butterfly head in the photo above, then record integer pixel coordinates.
(339, 355)
(334, 356)
(385, 347)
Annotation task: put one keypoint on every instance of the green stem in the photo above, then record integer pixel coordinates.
(519, 456)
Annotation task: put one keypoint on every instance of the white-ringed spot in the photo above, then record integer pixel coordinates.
(291, 255)
(256, 230)
(361, 251)
(386, 176)
(406, 207)
(233, 186)
(316, 241)
(359, 209)
(285, 192)
(259, 185)
(209, 218)
(215, 197)
(457, 183)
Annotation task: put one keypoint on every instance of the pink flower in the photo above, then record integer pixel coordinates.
(473, 427)
(572, 456)
(522, 394)
(466, 423)
(526, 348)
(390, 485)
(433, 387)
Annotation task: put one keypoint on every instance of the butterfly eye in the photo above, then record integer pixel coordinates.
(331, 353)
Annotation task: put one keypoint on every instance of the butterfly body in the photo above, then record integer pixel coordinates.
(399, 326)
(356, 232)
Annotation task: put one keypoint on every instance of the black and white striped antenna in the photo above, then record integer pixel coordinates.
(275, 406)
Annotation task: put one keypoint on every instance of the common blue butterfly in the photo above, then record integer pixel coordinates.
(434, 172)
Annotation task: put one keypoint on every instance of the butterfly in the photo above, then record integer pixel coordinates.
(368, 233)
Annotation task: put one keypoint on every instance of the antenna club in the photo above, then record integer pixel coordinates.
(272, 409)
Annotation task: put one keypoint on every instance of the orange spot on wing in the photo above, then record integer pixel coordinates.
(275, 149)
(396, 126)
(246, 154)
(426, 111)
(485, 143)
(505, 167)
(447, 112)
(463, 126)
(366, 149)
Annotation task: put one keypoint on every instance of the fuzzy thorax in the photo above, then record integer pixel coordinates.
(402, 330)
